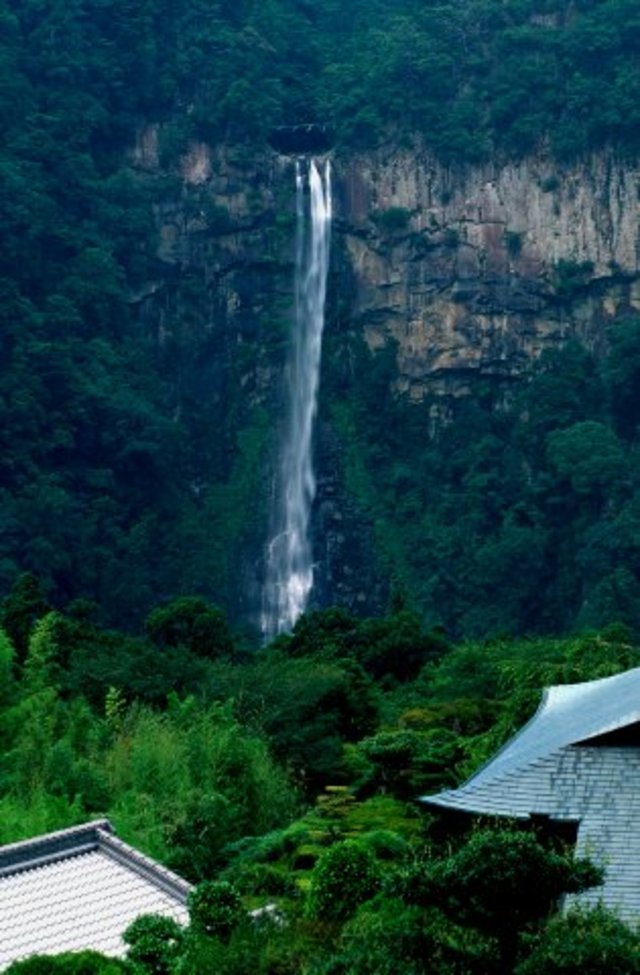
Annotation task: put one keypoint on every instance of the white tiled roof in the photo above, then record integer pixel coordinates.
(54, 900)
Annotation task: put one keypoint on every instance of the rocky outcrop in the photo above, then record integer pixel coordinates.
(471, 271)
(477, 271)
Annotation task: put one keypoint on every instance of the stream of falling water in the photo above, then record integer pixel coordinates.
(289, 576)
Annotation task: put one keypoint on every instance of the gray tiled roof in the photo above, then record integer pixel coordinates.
(553, 767)
(79, 888)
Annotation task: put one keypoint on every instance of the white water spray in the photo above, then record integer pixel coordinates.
(289, 556)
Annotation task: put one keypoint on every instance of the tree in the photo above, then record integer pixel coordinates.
(191, 622)
(7, 655)
(327, 632)
(590, 457)
(192, 780)
(19, 610)
(397, 645)
(307, 707)
(622, 375)
(504, 883)
(42, 665)
(387, 937)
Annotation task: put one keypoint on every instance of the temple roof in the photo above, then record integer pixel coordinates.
(568, 714)
(79, 888)
(570, 763)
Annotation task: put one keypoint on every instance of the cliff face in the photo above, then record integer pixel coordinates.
(463, 274)
(477, 271)
(471, 271)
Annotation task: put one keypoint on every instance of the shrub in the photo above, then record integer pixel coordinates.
(385, 844)
(344, 877)
(215, 909)
(571, 276)
(262, 878)
(154, 943)
(69, 963)
(584, 942)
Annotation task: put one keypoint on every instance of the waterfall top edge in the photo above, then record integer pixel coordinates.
(302, 140)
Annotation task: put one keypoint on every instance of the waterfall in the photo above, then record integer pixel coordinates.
(289, 576)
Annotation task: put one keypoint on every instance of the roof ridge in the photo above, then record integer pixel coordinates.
(80, 888)
(544, 705)
(97, 835)
(48, 847)
(143, 865)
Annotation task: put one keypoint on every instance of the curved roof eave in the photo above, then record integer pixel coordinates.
(568, 714)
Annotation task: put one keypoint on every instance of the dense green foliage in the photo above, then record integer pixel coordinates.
(586, 942)
(215, 909)
(153, 943)
(287, 775)
(69, 963)
(345, 876)
(131, 472)
(512, 519)
(287, 781)
(470, 76)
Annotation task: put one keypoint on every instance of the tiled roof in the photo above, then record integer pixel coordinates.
(554, 767)
(567, 715)
(79, 888)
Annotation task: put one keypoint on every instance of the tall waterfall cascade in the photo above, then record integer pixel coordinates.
(289, 569)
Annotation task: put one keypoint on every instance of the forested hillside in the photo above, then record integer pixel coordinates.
(288, 777)
(136, 438)
(478, 508)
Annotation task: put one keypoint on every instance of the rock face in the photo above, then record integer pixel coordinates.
(472, 271)
(464, 274)
(477, 271)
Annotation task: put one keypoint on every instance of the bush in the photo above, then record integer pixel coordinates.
(215, 909)
(387, 937)
(571, 276)
(154, 943)
(344, 877)
(69, 963)
(584, 942)
(385, 844)
(506, 879)
(262, 878)
(513, 242)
